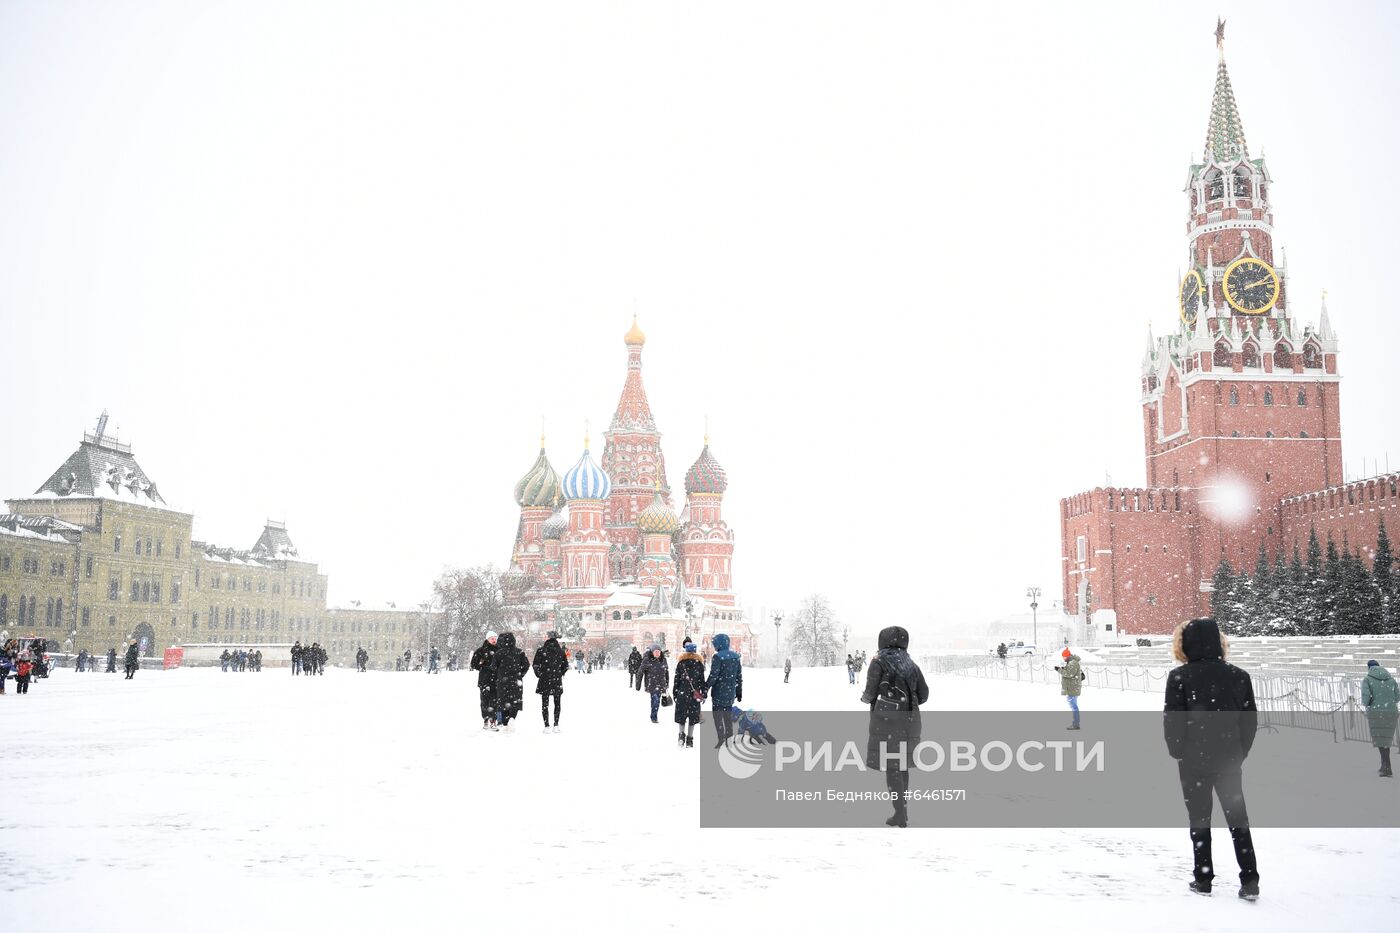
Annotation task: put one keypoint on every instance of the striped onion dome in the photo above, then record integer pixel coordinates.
(586, 480)
(705, 475)
(555, 526)
(539, 487)
(657, 518)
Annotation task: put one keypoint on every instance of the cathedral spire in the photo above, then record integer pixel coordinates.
(1225, 132)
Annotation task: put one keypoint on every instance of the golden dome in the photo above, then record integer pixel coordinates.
(635, 337)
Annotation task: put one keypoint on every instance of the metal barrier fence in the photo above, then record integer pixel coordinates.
(1322, 704)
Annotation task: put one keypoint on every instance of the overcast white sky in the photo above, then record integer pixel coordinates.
(331, 262)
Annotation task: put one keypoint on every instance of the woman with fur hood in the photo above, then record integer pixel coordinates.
(1380, 695)
(1209, 722)
(688, 689)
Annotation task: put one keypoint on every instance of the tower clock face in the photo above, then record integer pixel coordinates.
(1191, 296)
(1251, 285)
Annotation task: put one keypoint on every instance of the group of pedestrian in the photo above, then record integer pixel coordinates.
(690, 687)
(240, 660)
(855, 663)
(501, 668)
(308, 659)
(26, 660)
(361, 659)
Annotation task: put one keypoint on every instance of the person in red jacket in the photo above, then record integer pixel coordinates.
(23, 673)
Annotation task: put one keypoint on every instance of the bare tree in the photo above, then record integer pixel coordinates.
(475, 600)
(812, 635)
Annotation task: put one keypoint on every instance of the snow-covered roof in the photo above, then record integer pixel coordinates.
(627, 597)
(101, 468)
(275, 543)
(41, 527)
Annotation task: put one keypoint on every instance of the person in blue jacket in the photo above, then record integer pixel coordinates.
(724, 686)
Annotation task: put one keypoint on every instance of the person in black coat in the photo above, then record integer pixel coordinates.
(550, 666)
(484, 663)
(511, 665)
(133, 660)
(654, 675)
(634, 664)
(111, 660)
(688, 690)
(895, 689)
(1209, 722)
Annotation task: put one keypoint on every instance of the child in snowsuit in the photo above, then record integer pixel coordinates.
(750, 723)
(23, 673)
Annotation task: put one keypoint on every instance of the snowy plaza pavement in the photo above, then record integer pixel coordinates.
(194, 800)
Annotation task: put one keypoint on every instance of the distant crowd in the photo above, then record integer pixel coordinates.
(240, 660)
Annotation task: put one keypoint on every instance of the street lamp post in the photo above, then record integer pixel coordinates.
(1034, 593)
(777, 637)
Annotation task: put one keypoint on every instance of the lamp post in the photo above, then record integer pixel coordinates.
(777, 637)
(1034, 593)
(845, 636)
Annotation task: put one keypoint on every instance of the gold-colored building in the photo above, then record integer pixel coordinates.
(95, 557)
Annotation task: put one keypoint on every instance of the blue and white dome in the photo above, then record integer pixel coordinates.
(586, 480)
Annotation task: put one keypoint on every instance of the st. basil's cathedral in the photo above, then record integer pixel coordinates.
(608, 551)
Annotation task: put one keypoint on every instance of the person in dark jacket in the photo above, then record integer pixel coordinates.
(1209, 722)
(510, 666)
(634, 664)
(223, 660)
(484, 662)
(654, 675)
(111, 660)
(1380, 696)
(550, 665)
(850, 669)
(724, 687)
(894, 689)
(787, 669)
(687, 691)
(296, 657)
(133, 660)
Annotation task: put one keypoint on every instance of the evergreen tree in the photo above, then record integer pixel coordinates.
(1257, 611)
(1330, 602)
(1283, 597)
(1385, 581)
(1224, 598)
(1363, 598)
(1300, 597)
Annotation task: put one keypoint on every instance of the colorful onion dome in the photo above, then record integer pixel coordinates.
(657, 518)
(635, 337)
(539, 487)
(554, 527)
(586, 480)
(706, 476)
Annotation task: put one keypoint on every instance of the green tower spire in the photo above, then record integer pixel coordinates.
(1225, 133)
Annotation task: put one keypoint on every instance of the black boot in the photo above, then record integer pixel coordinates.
(680, 740)
(1385, 763)
(690, 741)
(1200, 887)
(1249, 890)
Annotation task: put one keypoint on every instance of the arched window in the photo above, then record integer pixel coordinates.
(617, 616)
(1302, 433)
(1283, 357)
(1268, 396)
(1312, 357)
(1222, 356)
(627, 615)
(1215, 186)
(1242, 185)
(1234, 396)
(1251, 355)
(1234, 433)
(1268, 433)
(1302, 398)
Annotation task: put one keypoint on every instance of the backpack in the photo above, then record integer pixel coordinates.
(894, 695)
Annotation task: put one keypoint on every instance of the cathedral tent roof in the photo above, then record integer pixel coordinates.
(104, 469)
(275, 543)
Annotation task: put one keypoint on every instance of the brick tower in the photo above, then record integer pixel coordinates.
(1240, 410)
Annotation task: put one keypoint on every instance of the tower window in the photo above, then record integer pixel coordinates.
(1251, 355)
(1234, 396)
(1302, 433)
(1241, 183)
(1312, 357)
(1222, 356)
(1215, 186)
(1269, 397)
(1283, 357)
(1302, 398)
(1268, 433)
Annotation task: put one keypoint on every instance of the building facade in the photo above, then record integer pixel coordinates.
(95, 557)
(1241, 419)
(605, 549)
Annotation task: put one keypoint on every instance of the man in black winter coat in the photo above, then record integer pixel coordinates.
(634, 664)
(133, 660)
(550, 666)
(655, 675)
(895, 689)
(484, 663)
(1209, 722)
(511, 665)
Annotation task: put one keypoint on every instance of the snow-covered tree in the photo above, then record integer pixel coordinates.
(813, 636)
(475, 600)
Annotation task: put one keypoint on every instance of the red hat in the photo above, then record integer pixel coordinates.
(1065, 653)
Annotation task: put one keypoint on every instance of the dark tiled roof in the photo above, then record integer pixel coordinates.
(105, 469)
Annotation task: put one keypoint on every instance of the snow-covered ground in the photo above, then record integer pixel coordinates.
(197, 800)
